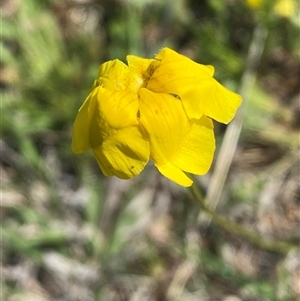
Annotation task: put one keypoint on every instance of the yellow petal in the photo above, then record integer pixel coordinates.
(116, 75)
(113, 110)
(82, 124)
(141, 66)
(117, 142)
(178, 61)
(200, 93)
(196, 153)
(177, 143)
(213, 100)
(124, 154)
(175, 73)
(166, 124)
(174, 174)
(164, 120)
(102, 112)
(108, 123)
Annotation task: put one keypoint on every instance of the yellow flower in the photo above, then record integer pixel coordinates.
(254, 3)
(283, 8)
(157, 109)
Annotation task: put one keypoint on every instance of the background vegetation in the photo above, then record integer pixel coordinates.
(70, 234)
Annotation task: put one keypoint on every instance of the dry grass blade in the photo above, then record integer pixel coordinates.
(233, 131)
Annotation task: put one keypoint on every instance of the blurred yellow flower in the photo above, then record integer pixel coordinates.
(157, 109)
(283, 8)
(254, 3)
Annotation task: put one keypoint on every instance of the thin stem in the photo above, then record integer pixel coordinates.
(256, 239)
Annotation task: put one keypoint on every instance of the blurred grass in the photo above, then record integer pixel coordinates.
(68, 233)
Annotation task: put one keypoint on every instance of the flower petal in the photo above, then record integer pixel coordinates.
(82, 124)
(118, 144)
(200, 93)
(177, 143)
(175, 73)
(108, 123)
(169, 56)
(141, 66)
(124, 154)
(113, 110)
(165, 122)
(213, 100)
(174, 174)
(196, 153)
(116, 75)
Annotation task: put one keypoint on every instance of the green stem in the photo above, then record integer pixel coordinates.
(256, 239)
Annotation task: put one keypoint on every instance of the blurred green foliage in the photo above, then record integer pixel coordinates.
(138, 234)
